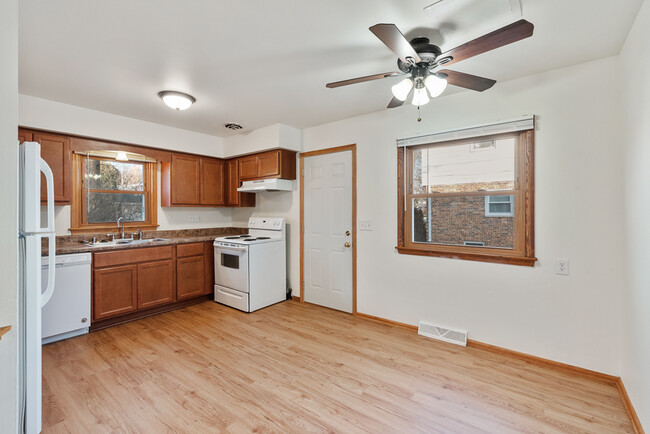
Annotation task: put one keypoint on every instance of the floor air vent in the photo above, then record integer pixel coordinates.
(457, 337)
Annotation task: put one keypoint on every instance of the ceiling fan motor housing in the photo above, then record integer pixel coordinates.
(427, 52)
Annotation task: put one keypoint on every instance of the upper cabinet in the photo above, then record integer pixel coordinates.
(272, 164)
(55, 150)
(233, 182)
(192, 181)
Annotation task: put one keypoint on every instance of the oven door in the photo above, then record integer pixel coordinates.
(231, 267)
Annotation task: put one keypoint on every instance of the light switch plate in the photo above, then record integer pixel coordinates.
(195, 218)
(365, 225)
(562, 267)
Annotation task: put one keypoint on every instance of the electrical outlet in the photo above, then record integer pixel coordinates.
(195, 219)
(365, 225)
(562, 267)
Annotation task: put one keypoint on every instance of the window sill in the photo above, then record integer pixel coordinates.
(112, 229)
(482, 257)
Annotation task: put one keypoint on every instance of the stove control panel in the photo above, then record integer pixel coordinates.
(269, 223)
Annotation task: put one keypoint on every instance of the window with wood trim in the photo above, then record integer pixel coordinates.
(468, 199)
(105, 189)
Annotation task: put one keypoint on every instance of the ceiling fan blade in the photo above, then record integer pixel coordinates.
(362, 79)
(468, 81)
(395, 103)
(390, 35)
(506, 35)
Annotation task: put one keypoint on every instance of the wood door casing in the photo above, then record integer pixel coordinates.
(185, 180)
(114, 291)
(212, 181)
(24, 135)
(190, 277)
(56, 152)
(155, 283)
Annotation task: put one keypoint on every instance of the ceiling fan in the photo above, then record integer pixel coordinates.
(420, 61)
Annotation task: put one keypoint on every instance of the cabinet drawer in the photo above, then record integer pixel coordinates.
(130, 256)
(194, 249)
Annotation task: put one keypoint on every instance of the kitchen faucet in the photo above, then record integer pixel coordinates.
(121, 219)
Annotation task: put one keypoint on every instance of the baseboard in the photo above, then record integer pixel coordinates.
(387, 321)
(629, 408)
(295, 298)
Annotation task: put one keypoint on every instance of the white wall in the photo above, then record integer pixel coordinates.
(8, 218)
(272, 136)
(579, 209)
(635, 354)
(55, 116)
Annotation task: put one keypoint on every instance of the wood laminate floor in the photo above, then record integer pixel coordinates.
(300, 368)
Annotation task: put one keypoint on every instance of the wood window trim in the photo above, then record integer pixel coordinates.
(524, 251)
(77, 220)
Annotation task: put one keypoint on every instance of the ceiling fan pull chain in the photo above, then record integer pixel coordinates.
(419, 118)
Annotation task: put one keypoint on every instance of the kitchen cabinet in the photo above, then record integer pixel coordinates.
(233, 197)
(155, 283)
(192, 181)
(280, 163)
(55, 150)
(137, 281)
(114, 291)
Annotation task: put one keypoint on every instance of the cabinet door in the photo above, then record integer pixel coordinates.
(114, 291)
(269, 164)
(155, 283)
(24, 136)
(55, 150)
(212, 182)
(232, 175)
(185, 180)
(248, 167)
(190, 278)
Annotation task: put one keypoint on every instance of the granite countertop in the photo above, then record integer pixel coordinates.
(67, 244)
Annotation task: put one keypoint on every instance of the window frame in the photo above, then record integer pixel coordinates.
(523, 252)
(78, 222)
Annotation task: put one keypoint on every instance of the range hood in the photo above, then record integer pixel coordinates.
(274, 184)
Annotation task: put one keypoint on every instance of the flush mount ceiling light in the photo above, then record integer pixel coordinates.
(177, 100)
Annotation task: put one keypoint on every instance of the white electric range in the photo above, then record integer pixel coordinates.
(250, 271)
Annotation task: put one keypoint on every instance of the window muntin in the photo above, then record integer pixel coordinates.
(435, 217)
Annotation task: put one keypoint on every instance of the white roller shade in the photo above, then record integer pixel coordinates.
(521, 124)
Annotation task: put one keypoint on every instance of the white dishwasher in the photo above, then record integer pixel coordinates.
(67, 314)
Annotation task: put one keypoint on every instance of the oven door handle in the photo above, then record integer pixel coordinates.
(231, 249)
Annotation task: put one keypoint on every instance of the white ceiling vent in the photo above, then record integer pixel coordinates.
(458, 337)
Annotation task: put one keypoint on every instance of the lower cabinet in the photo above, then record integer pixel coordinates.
(190, 277)
(138, 279)
(114, 291)
(155, 283)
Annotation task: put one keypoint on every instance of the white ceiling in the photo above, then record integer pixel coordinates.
(263, 62)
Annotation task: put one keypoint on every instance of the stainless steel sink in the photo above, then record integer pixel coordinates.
(128, 241)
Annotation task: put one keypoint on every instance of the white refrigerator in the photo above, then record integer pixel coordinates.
(32, 296)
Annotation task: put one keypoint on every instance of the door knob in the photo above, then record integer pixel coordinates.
(347, 244)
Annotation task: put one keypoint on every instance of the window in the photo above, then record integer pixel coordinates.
(499, 206)
(469, 199)
(106, 189)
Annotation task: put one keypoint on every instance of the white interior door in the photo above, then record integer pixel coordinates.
(328, 230)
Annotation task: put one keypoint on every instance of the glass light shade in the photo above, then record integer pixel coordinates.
(121, 156)
(401, 90)
(420, 97)
(436, 85)
(177, 100)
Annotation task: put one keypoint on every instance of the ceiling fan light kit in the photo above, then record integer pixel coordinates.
(420, 61)
(177, 100)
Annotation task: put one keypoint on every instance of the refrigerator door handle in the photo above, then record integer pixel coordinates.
(51, 257)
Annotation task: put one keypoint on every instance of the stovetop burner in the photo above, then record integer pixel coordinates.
(263, 238)
(236, 237)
